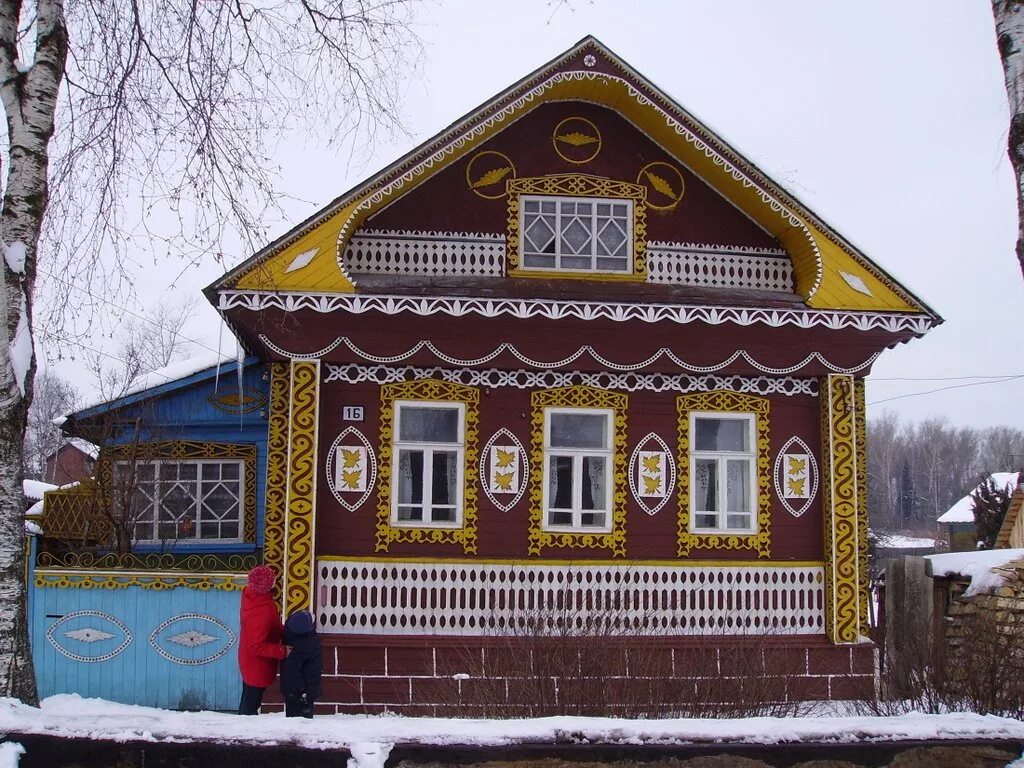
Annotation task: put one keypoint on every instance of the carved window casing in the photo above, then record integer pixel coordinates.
(584, 401)
(723, 404)
(577, 226)
(396, 525)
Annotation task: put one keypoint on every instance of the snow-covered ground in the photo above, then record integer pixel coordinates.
(900, 541)
(370, 739)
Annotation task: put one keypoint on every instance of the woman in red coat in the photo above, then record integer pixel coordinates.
(260, 649)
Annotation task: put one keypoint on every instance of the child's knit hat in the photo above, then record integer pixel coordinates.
(261, 579)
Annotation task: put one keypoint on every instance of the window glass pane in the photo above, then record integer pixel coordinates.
(592, 519)
(410, 513)
(560, 518)
(618, 265)
(705, 485)
(539, 234)
(575, 237)
(141, 471)
(560, 483)
(167, 470)
(445, 473)
(721, 434)
(531, 206)
(575, 262)
(737, 479)
(410, 477)
(229, 530)
(443, 514)
(547, 206)
(428, 425)
(595, 482)
(210, 471)
(707, 521)
(579, 430)
(539, 262)
(229, 471)
(741, 522)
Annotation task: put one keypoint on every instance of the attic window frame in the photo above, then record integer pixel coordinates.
(596, 220)
(578, 186)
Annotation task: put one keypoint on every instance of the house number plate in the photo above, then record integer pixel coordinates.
(352, 413)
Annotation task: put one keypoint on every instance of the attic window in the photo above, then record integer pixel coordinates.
(577, 234)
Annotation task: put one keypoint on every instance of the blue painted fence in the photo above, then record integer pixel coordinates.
(173, 648)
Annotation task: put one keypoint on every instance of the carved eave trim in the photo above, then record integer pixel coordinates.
(458, 306)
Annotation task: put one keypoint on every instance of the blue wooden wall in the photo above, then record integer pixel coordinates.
(174, 648)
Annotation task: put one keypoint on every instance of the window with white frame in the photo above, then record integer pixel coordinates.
(723, 473)
(577, 469)
(428, 456)
(181, 499)
(577, 234)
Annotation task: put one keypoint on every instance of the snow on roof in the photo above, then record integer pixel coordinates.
(899, 541)
(34, 489)
(963, 510)
(176, 371)
(977, 566)
(370, 738)
(35, 509)
(85, 447)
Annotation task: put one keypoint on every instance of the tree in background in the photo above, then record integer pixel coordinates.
(53, 397)
(177, 105)
(1009, 18)
(991, 501)
(908, 499)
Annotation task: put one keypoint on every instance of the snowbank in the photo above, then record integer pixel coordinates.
(963, 510)
(10, 754)
(976, 566)
(370, 738)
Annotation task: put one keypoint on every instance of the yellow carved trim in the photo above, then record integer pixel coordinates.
(723, 401)
(577, 397)
(840, 497)
(571, 563)
(274, 512)
(862, 505)
(228, 582)
(301, 504)
(427, 390)
(579, 185)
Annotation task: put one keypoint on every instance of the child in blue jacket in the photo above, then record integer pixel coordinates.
(301, 670)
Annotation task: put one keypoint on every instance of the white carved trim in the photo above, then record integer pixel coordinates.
(492, 378)
(302, 260)
(79, 657)
(550, 309)
(368, 469)
(297, 355)
(437, 598)
(192, 662)
(459, 254)
(510, 348)
(678, 264)
(652, 445)
(503, 501)
(855, 282)
(796, 506)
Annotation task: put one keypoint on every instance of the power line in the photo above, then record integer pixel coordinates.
(943, 389)
(108, 302)
(946, 378)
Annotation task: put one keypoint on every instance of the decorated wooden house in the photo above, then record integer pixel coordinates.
(573, 366)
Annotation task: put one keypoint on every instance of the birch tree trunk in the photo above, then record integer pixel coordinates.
(29, 92)
(1009, 17)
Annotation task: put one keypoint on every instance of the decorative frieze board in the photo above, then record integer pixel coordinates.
(593, 354)
(474, 599)
(492, 378)
(551, 309)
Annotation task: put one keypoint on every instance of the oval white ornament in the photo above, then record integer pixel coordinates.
(652, 473)
(504, 470)
(355, 473)
(796, 476)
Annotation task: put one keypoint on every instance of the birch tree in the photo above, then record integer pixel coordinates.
(133, 122)
(1009, 18)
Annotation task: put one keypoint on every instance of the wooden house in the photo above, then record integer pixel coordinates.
(573, 363)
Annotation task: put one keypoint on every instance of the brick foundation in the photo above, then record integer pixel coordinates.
(446, 676)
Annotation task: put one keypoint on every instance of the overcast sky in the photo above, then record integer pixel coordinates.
(887, 119)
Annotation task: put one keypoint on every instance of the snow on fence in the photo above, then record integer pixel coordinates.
(404, 598)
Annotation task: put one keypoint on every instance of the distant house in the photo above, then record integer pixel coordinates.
(959, 518)
(72, 462)
(1011, 534)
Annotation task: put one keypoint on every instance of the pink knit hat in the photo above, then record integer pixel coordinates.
(261, 579)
